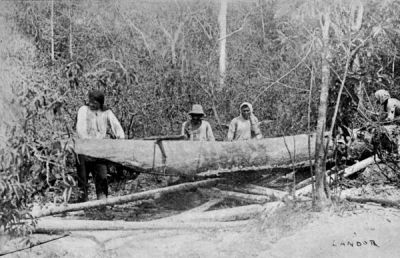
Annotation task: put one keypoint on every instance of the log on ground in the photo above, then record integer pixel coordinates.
(50, 225)
(124, 199)
(251, 198)
(259, 190)
(384, 202)
(229, 214)
(345, 173)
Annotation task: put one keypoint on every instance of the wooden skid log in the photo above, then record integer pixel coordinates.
(229, 214)
(49, 225)
(252, 198)
(255, 189)
(384, 202)
(124, 199)
(203, 207)
(265, 169)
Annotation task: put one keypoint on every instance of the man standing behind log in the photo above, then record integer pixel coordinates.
(391, 106)
(93, 122)
(245, 126)
(197, 129)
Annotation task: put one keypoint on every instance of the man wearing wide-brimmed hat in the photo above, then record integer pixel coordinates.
(197, 129)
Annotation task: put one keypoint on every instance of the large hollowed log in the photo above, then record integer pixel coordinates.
(190, 158)
(174, 157)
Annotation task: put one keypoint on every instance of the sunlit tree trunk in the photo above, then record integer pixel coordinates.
(222, 43)
(70, 29)
(321, 187)
(52, 29)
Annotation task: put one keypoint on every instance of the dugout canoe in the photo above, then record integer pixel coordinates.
(195, 157)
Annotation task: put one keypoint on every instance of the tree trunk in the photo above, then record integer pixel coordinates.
(321, 187)
(52, 29)
(197, 158)
(70, 29)
(51, 225)
(251, 198)
(384, 202)
(222, 43)
(223, 215)
(255, 189)
(305, 187)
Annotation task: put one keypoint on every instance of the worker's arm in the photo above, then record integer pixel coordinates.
(81, 124)
(231, 130)
(116, 127)
(210, 135)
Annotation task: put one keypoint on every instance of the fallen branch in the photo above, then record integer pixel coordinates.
(255, 189)
(46, 225)
(375, 200)
(199, 209)
(345, 173)
(230, 214)
(267, 169)
(124, 199)
(253, 198)
(33, 245)
(204, 206)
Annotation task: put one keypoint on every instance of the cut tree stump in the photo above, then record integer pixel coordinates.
(124, 199)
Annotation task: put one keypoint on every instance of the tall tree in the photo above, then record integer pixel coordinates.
(321, 186)
(70, 29)
(52, 29)
(222, 42)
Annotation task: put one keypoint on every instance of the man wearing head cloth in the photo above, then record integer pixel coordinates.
(93, 122)
(390, 106)
(245, 126)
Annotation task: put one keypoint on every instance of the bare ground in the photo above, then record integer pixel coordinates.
(347, 230)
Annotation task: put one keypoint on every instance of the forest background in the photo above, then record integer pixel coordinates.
(154, 59)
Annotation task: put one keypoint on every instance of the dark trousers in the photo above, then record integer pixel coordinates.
(99, 170)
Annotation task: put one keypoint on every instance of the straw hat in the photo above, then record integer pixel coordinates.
(197, 109)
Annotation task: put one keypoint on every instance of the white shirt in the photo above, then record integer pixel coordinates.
(203, 133)
(93, 124)
(241, 129)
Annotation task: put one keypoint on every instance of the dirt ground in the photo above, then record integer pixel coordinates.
(362, 230)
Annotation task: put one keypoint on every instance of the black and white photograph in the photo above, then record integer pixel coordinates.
(199, 128)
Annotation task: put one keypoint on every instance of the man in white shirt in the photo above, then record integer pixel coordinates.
(197, 129)
(245, 126)
(93, 122)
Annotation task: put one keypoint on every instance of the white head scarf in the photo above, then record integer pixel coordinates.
(246, 104)
(382, 96)
(252, 117)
